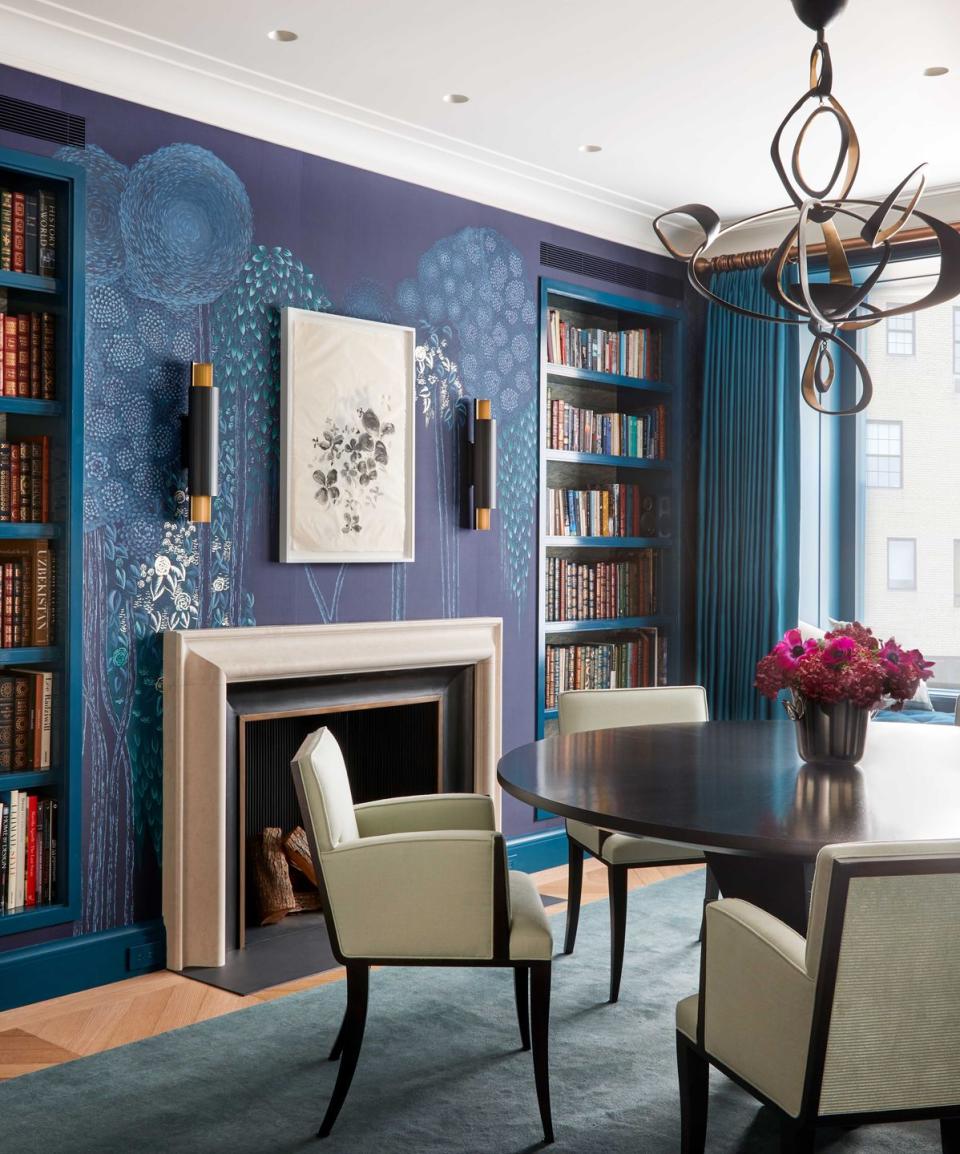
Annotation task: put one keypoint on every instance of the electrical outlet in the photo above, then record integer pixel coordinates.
(145, 957)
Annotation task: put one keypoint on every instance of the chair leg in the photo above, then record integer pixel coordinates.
(540, 1020)
(796, 1137)
(521, 986)
(694, 1072)
(711, 892)
(950, 1135)
(574, 889)
(337, 1048)
(617, 885)
(358, 984)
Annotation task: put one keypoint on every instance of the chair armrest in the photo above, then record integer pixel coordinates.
(425, 812)
(757, 999)
(417, 895)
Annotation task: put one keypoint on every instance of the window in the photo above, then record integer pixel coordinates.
(956, 342)
(901, 562)
(901, 332)
(884, 454)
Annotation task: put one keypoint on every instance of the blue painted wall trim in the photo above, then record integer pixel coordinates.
(537, 851)
(70, 964)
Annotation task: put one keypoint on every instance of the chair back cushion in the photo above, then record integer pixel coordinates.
(325, 788)
(585, 709)
(894, 1033)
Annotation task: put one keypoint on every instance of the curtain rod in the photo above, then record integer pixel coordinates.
(759, 257)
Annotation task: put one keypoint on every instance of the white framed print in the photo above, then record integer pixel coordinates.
(347, 419)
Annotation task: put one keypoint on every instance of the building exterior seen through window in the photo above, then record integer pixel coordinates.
(910, 441)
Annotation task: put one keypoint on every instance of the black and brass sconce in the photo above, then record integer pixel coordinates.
(203, 440)
(483, 464)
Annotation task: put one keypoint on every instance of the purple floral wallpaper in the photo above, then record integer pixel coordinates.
(196, 238)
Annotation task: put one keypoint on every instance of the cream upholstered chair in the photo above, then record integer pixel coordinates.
(586, 709)
(419, 881)
(857, 1022)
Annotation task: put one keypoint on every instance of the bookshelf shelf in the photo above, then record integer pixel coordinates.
(31, 407)
(607, 542)
(27, 282)
(30, 779)
(51, 182)
(609, 328)
(604, 624)
(25, 530)
(612, 380)
(564, 456)
(31, 655)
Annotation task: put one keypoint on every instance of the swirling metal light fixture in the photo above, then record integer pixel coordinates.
(839, 305)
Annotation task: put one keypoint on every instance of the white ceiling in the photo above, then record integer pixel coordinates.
(683, 97)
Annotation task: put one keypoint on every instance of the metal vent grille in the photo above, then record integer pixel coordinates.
(41, 122)
(612, 271)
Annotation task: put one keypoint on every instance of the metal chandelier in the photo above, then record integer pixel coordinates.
(839, 305)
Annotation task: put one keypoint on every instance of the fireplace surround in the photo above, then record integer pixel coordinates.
(200, 666)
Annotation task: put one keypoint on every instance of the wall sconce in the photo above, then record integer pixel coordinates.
(483, 460)
(203, 440)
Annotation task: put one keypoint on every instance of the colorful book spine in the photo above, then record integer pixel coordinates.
(9, 355)
(6, 231)
(47, 234)
(21, 724)
(19, 231)
(48, 355)
(30, 872)
(5, 504)
(7, 708)
(34, 354)
(4, 853)
(13, 847)
(31, 248)
(6, 625)
(23, 355)
(26, 480)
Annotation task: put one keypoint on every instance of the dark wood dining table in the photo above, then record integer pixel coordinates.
(739, 791)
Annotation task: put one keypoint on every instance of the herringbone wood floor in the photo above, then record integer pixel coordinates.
(73, 1026)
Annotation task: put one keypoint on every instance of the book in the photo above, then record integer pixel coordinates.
(47, 233)
(5, 481)
(23, 355)
(26, 480)
(4, 820)
(7, 706)
(48, 357)
(34, 557)
(6, 230)
(15, 481)
(9, 355)
(6, 623)
(13, 845)
(34, 354)
(39, 694)
(31, 250)
(21, 724)
(38, 887)
(54, 815)
(30, 866)
(39, 448)
(19, 238)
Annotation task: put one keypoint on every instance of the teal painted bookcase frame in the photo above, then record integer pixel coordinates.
(62, 419)
(664, 476)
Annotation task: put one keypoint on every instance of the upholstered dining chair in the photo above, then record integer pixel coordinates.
(858, 1022)
(419, 881)
(585, 709)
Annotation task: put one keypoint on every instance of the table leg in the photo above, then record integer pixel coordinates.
(778, 885)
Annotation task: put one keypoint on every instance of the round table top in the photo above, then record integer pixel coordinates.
(740, 786)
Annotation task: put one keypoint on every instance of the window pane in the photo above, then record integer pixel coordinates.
(910, 565)
(900, 333)
(901, 563)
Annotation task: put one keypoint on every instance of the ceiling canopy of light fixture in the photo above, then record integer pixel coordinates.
(839, 305)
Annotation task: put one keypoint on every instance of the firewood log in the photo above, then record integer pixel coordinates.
(297, 849)
(273, 891)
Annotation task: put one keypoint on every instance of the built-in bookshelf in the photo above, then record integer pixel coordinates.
(610, 497)
(41, 470)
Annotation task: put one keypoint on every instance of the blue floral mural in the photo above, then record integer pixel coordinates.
(174, 275)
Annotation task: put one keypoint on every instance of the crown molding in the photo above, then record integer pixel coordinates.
(63, 44)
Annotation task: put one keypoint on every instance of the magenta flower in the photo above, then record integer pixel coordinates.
(789, 651)
(839, 650)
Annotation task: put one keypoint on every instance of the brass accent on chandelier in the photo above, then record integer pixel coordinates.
(828, 309)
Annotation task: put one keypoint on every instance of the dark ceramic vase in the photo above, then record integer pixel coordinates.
(829, 735)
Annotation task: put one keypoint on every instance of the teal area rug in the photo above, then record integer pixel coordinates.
(440, 1072)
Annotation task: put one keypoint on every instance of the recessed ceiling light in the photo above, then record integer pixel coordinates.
(591, 148)
(282, 35)
(936, 70)
(456, 98)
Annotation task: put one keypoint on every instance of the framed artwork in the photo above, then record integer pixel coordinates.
(347, 409)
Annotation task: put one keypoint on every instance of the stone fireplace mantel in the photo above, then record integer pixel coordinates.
(199, 664)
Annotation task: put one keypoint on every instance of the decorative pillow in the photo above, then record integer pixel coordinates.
(808, 631)
(920, 700)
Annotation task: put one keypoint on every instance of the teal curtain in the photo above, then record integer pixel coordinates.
(749, 523)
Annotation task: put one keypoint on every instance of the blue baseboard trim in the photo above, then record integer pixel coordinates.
(49, 970)
(537, 851)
